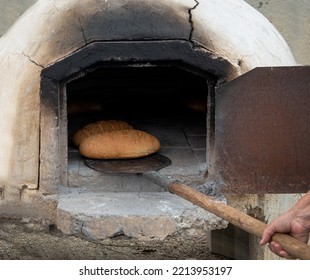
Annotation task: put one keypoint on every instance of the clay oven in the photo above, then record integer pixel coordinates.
(142, 61)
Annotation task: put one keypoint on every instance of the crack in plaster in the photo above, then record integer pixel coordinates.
(83, 31)
(32, 61)
(56, 7)
(195, 44)
(191, 21)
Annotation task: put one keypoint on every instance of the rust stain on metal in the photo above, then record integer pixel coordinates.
(263, 131)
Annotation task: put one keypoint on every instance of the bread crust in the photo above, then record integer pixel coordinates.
(120, 144)
(99, 127)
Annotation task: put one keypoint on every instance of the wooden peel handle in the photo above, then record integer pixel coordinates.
(294, 247)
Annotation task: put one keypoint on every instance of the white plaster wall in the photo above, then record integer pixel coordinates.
(220, 30)
(290, 17)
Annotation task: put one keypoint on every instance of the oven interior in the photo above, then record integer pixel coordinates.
(167, 101)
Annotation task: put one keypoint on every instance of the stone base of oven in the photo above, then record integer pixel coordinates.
(143, 216)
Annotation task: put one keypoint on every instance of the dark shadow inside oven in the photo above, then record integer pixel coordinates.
(169, 102)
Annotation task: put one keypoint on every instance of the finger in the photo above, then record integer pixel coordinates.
(278, 250)
(265, 239)
(275, 248)
(284, 254)
(268, 232)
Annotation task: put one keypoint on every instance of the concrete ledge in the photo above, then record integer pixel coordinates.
(135, 215)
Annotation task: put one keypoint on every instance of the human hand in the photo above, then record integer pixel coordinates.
(295, 222)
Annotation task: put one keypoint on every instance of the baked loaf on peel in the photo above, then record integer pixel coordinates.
(98, 127)
(119, 144)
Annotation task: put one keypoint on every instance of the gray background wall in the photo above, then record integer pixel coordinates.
(290, 17)
(10, 10)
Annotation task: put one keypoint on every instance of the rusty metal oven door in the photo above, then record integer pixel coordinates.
(262, 131)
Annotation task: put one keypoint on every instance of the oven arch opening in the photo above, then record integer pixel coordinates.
(61, 83)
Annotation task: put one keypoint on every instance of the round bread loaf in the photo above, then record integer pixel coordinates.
(121, 144)
(98, 127)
